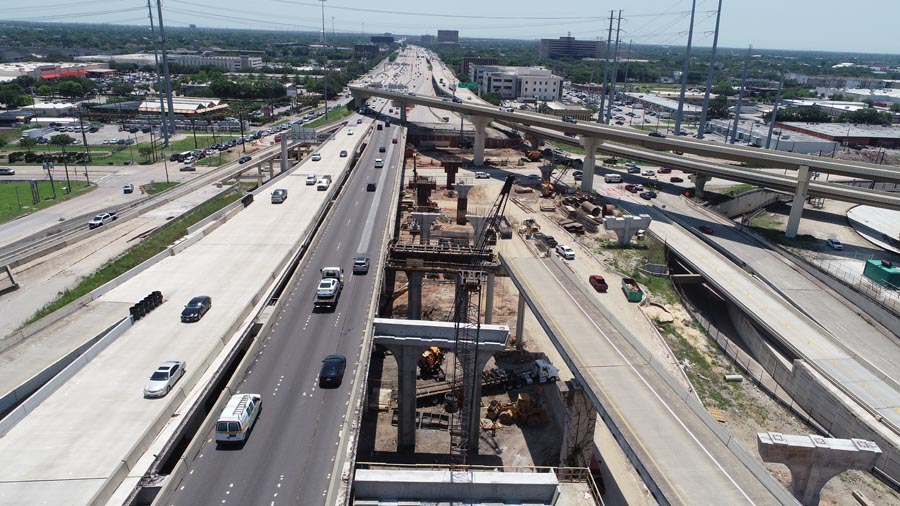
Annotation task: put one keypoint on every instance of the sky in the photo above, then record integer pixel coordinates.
(862, 26)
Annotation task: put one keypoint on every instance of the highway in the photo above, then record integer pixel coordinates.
(291, 453)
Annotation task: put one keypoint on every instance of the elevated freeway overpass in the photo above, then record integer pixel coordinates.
(612, 138)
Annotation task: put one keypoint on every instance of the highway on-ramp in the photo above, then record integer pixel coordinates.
(290, 455)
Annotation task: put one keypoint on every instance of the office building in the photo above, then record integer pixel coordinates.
(468, 61)
(368, 49)
(569, 47)
(382, 39)
(448, 36)
(526, 83)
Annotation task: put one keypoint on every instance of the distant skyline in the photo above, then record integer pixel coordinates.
(863, 26)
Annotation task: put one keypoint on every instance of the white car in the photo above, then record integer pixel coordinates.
(834, 244)
(565, 251)
(648, 172)
(482, 175)
(327, 288)
(311, 179)
(316, 157)
(349, 132)
(164, 378)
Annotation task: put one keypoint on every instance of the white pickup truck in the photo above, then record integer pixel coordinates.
(102, 219)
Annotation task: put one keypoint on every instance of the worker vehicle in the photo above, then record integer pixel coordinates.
(430, 362)
(542, 371)
(598, 283)
(102, 219)
(565, 251)
(237, 419)
(632, 290)
(525, 411)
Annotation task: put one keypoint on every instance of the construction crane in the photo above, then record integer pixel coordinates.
(461, 403)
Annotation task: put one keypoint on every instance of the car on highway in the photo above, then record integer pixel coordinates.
(244, 159)
(343, 153)
(706, 229)
(332, 373)
(316, 157)
(834, 244)
(188, 168)
(370, 187)
(598, 283)
(379, 163)
(648, 172)
(164, 378)
(647, 195)
(482, 175)
(196, 308)
(381, 149)
(128, 188)
(657, 134)
(102, 219)
(327, 288)
(394, 141)
(349, 132)
(279, 196)
(360, 265)
(359, 121)
(676, 179)
(664, 170)
(565, 251)
(633, 170)
(7, 171)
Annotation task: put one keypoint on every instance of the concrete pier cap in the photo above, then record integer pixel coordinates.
(479, 223)
(424, 220)
(626, 226)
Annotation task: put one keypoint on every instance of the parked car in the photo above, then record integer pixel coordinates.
(244, 159)
(834, 244)
(482, 175)
(565, 252)
(647, 195)
(360, 265)
(128, 188)
(7, 171)
(188, 168)
(706, 229)
(164, 378)
(664, 170)
(599, 284)
(196, 308)
(648, 172)
(332, 373)
(550, 240)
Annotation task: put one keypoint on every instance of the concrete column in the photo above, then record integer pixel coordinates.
(402, 113)
(284, 152)
(479, 223)
(475, 417)
(489, 303)
(407, 358)
(520, 324)
(480, 123)
(626, 226)
(414, 295)
(813, 460)
(590, 161)
(387, 293)
(259, 175)
(358, 102)
(578, 429)
(793, 223)
(271, 169)
(424, 220)
(451, 176)
(462, 202)
(699, 184)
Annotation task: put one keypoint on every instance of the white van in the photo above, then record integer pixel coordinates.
(237, 418)
(379, 163)
(613, 178)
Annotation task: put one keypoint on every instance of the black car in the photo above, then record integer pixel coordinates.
(145, 130)
(657, 134)
(648, 195)
(370, 187)
(244, 159)
(550, 240)
(188, 168)
(196, 308)
(332, 373)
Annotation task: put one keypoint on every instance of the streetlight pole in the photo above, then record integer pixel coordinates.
(325, 74)
(87, 150)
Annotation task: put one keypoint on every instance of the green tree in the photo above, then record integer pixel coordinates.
(868, 101)
(27, 143)
(45, 91)
(71, 89)
(718, 107)
(146, 152)
(895, 107)
(724, 89)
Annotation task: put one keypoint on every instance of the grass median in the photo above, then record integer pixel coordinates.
(155, 243)
(17, 200)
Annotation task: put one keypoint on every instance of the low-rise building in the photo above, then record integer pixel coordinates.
(662, 104)
(846, 133)
(561, 109)
(47, 70)
(467, 62)
(755, 133)
(527, 83)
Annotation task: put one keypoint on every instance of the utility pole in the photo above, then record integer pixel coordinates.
(332, 28)
(775, 110)
(712, 63)
(325, 66)
(684, 72)
(605, 69)
(159, 88)
(615, 72)
(737, 109)
(165, 63)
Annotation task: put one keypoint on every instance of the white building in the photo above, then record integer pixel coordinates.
(528, 83)
(229, 63)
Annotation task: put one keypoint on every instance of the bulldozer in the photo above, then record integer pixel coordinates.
(430, 362)
(525, 412)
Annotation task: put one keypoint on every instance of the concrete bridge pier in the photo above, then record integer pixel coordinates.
(481, 124)
(414, 295)
(590, 160)
(700, 184)
(407, 358)
(402, 113)
(424, 220)
(387, 293)
(793, 223)
(462, 202)
(489, 299)
(284, 153)
(479, 224)
(520, 324)
(813, 460)
(626, 226)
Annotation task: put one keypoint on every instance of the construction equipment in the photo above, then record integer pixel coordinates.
(526, 411)
(430, 362)
(534, 156)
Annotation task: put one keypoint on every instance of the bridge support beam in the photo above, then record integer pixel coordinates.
(626, 226)
(414, 295)
(387, 293)
(520, 324)
(424, 220)
(489, 303)
(462, 202)
(402, 113)
(590, 159)
(813, 460)
(793, 223)
(578, 430)
(407, 358)
(480, 123)
(284, 153)
(700, 184)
